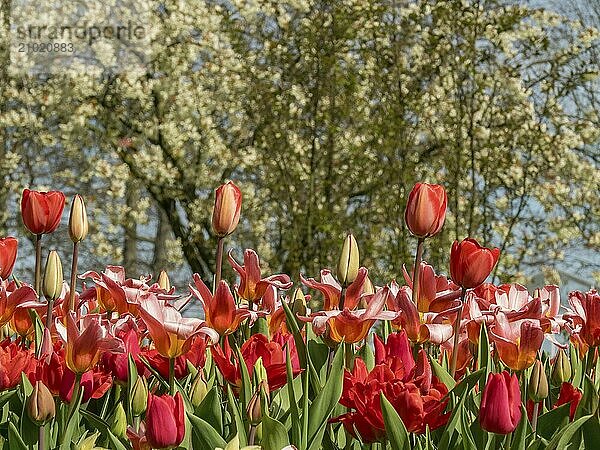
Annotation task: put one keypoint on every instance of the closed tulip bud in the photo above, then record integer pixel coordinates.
(349, 261)
(500, 410)
(139, 396)
(538, 383)
(53, 277)
(165, 421)
(561, 370)
(42, 211)
(426, 210)
(40, 404)
(78, 221)
(299, 303)
(8, 256)
(470, 263)
(226, 212)
(118, 423)
(198, 390)
(254, 408)
(163, 281)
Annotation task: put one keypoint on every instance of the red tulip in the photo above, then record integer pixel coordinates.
(8, 256)
(436, 292)
(252, 286)
(500, 410)
(94, 383)
(410, 386)
(569, 394)
(13, 361)
(226, 213)
(42, 211)
(220, 310)
(273, 356)
(10, 302)
(426, 210)
(165, 421)
(470, 263)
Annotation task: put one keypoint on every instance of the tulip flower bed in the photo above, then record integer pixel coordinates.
(436, 362)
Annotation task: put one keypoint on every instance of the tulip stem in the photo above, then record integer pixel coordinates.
(252, 435)
(534, 419)
(38, 263)
(172, 376)
(342, 298)
(74, 400)
(73, 276)
(42, 438)
(457, 333)
(417, 271)
(219, 262)
(48, 326)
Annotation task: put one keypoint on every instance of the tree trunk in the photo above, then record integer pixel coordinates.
(130, 254)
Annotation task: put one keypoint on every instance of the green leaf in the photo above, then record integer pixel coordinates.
(591, 432)
(210, 409)
(116, 444)
(246, 390)
(483, 355)
(14, 438)
(294, 411)
(274, 434)
(518, 441)
(368, 356)
(237, 418)
(326, 400)
(204, 435)
(564, 436)
(394, 427)
(442, 374)
(553, 420)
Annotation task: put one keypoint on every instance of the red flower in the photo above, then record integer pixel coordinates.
(94, 383)
(117, 364)
(226, 212)
(13, 361)
(470, 263)
(273, 355)
(11, 301)
(165, 421)
(41, 211)
(569, 394)
(8, 256)
(500, 410)
(413, 391)
(426, 209)
(252, 286)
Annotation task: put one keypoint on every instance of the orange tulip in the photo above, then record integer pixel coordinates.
(226, 212)
(220, 311)
(584, 319)
(331, 289)
(171, 333)
(436, 292)
(252, 286)
(86, 342)
(10, 301)
(428, 327)
(42, 211)
(426, 210)
(517, 342)
(352, 326)
(8, 256)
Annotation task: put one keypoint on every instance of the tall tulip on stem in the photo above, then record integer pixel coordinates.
(41, 213)
(424, 215)
(225, 218)
(470, 265)
(78, 229)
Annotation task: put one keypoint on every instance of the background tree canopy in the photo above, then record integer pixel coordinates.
(325, 113)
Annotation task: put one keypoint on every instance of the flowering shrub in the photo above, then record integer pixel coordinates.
(436, 363)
